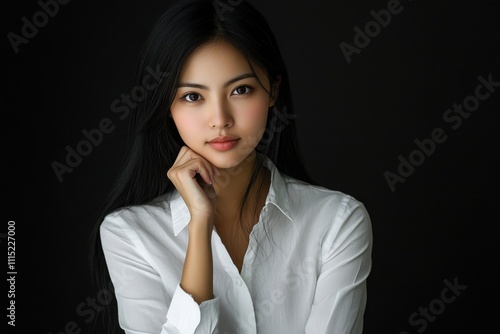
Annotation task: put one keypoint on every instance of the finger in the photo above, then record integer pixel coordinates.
(182, 153)
(192, 155)
(198, 166)
(186, 154)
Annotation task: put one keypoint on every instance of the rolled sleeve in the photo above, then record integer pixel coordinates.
(144, 305)
(189, 317)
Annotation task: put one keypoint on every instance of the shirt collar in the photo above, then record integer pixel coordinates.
(278, 191)
(277, 196)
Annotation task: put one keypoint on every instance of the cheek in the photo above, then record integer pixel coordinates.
(187, 127)
(255, 115)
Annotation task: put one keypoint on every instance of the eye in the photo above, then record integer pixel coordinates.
(191, 97)
(241, 90)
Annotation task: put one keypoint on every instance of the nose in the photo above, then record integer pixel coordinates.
(220, 115)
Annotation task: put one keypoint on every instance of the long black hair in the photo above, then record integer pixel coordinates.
(154, 141)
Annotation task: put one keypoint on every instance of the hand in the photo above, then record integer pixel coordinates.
(193, 176)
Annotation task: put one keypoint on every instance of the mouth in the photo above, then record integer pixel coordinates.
(223, 143)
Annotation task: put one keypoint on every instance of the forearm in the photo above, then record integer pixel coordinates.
(197, 274)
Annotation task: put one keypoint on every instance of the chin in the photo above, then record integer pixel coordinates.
(222, 163)
(226, 161)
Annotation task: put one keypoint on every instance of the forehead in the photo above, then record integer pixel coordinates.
(216, 62)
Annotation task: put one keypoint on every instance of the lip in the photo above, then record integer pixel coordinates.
(223, 143)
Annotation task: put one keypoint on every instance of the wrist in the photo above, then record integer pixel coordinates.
(200, 227)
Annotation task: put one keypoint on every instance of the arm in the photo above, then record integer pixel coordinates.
(193, 177)
(340, 297)
(145, 304)
(197, 274)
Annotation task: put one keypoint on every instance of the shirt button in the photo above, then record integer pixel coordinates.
(237, 281)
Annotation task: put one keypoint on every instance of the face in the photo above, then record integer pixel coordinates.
(220, 108)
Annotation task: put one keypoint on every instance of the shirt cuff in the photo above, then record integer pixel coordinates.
(188, 317)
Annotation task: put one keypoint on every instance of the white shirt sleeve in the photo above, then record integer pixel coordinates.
(340, 296)
(144, 306)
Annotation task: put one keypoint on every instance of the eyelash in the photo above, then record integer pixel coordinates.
(249, 90)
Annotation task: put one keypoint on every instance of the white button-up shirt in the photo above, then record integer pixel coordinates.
(304, 271)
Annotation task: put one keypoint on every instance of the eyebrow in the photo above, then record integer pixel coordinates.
(233, 80)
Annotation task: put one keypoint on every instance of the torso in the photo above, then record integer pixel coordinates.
(236, 243)
(234, 236)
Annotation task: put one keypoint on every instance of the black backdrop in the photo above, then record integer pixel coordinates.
(357, 121)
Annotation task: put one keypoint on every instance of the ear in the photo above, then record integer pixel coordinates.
(275, 91)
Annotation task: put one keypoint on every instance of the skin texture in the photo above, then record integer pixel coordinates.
(215, 98)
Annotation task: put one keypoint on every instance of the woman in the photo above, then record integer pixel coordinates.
(213, 225)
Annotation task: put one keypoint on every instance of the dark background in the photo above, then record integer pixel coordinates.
(354, 120)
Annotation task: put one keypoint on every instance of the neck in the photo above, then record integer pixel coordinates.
(230, 186)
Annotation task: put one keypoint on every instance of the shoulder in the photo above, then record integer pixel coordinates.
(314, 198)
(335, 220)
(137, 217)
(331, 213)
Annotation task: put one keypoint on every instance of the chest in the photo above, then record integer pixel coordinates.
(235, 240)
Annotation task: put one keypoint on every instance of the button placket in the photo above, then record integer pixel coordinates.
(238, 294)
